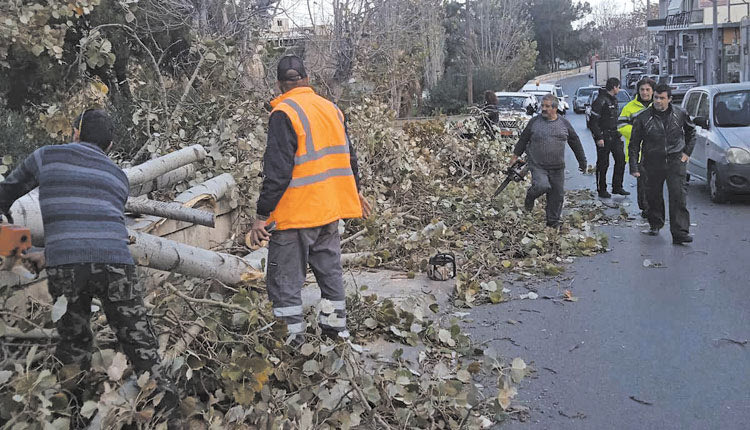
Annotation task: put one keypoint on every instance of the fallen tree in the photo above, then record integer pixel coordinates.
(164, 254)
(152, 169)
(164, 181)
(212, 190)
(171, 210)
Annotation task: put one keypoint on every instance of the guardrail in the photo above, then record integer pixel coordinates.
(556, 76)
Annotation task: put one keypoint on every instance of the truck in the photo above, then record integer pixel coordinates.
(605, 69)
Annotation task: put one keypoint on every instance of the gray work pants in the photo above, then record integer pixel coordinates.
(550, 182)
(289, 252)
(672, 171)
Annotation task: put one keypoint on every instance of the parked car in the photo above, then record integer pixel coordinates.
(680, 84)
(623, 98)
(579, 99)
(633, 64)
(633, 77)
(539, 90)
(515, 110)
(722, 149)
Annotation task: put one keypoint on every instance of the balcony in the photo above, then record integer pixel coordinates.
(678, 20)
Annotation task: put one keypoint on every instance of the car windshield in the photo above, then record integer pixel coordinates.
(511, 102)
(585, 92)
(683, 80)
(732, 109)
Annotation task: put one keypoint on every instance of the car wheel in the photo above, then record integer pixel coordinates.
(715, 187)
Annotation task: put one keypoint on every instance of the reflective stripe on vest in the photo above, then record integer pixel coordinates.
(310, 152)
(322, 188)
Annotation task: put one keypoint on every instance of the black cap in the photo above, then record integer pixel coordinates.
(290, 68)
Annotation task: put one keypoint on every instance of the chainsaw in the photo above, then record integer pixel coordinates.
(14, 241)
(515, 173)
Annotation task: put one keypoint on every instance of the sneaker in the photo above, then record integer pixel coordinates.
(621, 191)
(652, 231)
(679, 240)
(604, 194)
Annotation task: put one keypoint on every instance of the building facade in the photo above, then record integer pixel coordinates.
(683, 35)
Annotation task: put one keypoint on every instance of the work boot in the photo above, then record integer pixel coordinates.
(604, 194)
(621, 191)
(679, 240)
(652, 231)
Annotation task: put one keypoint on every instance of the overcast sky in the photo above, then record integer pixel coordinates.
(299, 14)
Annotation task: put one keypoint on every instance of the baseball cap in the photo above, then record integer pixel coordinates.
(290, 68)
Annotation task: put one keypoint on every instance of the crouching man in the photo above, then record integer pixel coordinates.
(544, 139)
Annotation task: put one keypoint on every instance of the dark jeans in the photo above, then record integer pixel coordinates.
(550, 182)
(672, 171)
(612, 145)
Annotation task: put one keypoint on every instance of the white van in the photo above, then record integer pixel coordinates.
(540, 89)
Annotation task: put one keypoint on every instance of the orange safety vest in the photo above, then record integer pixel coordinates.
(322, 189)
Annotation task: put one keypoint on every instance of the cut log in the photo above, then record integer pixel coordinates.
(171, 210)
(152, 169)
(163, 254)
(212, 190)
(164, 181)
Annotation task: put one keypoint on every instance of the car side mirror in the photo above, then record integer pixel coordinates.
(701, 122)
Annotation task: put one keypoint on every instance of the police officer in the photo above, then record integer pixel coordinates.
(310, 183)
(603, 124)
(82, 196)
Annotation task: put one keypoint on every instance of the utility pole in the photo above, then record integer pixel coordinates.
(715, 49)
(469, 56)
(648, 36)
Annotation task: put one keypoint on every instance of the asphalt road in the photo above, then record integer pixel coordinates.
(643, 347)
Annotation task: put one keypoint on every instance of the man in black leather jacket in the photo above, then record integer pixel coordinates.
(664, 136)
(604, 114)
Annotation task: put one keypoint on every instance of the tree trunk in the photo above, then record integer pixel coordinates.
(163, 254)
(171, 210)
(212, 189)
(152, 169)
(164, 181)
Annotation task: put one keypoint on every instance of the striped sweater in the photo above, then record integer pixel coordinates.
(82, 196)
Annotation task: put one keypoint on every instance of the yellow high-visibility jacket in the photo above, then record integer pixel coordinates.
(627, 115)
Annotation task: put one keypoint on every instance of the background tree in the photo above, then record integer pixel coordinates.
(552, 22)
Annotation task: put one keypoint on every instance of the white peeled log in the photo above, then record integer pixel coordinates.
(159, 166)
(171, 210)
(167, 255)
(212, 190)
(164, 181)
(25, 211)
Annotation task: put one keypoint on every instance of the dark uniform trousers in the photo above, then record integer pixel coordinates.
(672, 171)
(612, 145)
(289, 253)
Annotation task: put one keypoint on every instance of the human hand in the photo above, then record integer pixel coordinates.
(684, 158)
(366, 207)
(34, 260)
(258, 233)
(636, 174)
(513, 159)
(600, 143)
